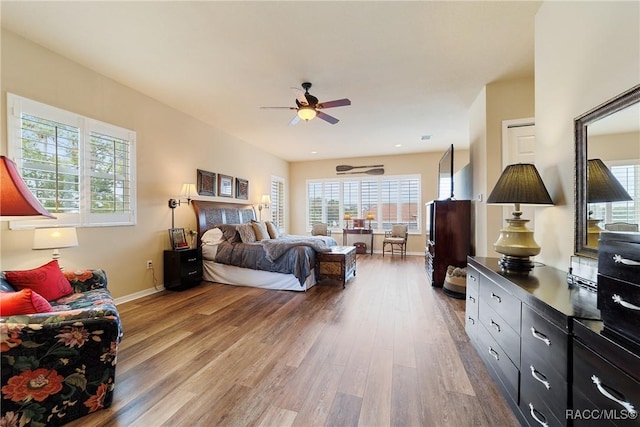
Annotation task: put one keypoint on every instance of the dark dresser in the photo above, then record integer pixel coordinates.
(522, 328)
(606, 354)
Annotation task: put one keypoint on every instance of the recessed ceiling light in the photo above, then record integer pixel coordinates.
(314, 152)
(398, 145)
(425, 137)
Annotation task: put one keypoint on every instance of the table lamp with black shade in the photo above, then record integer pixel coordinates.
(602, 187)
(519, 184)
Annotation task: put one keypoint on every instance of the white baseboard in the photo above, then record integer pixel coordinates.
(137, 295)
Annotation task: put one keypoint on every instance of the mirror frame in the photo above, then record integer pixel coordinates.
(614, 105)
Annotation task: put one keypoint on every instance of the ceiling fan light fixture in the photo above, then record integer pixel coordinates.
(306, 113)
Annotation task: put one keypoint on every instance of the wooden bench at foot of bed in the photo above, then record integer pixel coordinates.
(339, 264)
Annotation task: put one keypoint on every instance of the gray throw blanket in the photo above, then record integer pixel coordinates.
(274, 248)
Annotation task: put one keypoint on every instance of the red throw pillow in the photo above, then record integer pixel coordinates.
(47, 280)
(25, 301)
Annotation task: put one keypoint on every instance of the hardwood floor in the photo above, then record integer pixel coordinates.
(388, 350)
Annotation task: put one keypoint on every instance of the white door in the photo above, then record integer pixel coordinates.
(518, 146)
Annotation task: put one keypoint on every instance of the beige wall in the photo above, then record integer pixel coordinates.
(170, 147)
(499, 101)
(425, 164)
(585, 54)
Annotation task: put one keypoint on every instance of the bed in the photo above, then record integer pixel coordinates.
(284, 263)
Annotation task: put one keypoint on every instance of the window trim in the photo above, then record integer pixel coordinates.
(16, 105)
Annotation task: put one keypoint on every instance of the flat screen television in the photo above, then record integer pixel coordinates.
(445, 175)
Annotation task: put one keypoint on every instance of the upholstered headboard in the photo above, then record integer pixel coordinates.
(208, 214)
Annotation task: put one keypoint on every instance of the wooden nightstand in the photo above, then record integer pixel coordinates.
(182, 269)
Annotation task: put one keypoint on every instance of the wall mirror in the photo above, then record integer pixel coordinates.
(607, 170)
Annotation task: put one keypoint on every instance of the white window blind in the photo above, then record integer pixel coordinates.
(391, 200)
(277, 202)
(80, 169)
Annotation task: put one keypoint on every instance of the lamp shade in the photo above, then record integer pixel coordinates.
(520, 183)
(188, 191)
(602, 185)
(55, 238)
(16, 201)
(306, 113)
(265, 200)
(370, 217)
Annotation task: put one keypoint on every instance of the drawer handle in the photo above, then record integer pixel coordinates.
(543, 421)
(628, 406)
(472, 320)
(618, 300)
(473, 300)
(541, 337)
(619, 260)
(191, 273)
(540, 377)
(496, 297)
(494, 353)
(495, 325)
(191, 259)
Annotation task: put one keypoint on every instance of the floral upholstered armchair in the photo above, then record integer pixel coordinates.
(58, 365)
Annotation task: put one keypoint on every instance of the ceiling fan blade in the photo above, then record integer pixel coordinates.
(337, 103)
(326, 117)
(299, 93)
(377, 171)
(295, 120)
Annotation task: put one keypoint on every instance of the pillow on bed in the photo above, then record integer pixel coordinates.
(229, 232)
(272, 230)
(247, 235)
(260, 229)
(212, 237)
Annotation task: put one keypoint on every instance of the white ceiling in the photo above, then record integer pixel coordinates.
(409, 68)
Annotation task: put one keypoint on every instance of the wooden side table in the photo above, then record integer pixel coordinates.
(339, 264)
(347, 231)
(182, 269)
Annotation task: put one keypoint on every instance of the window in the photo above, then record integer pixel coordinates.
(391, 200)
(80, 169)
(277, 202)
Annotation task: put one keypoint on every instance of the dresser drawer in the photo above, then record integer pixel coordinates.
(543, 344)
(535, 409)
(471, 308)
(494, 356)
(504, 335)
(581, 412)
(546, 386)
(603, 384)
(502, 302)
(619, 304)
(619, 259)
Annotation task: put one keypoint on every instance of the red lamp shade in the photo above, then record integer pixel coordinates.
(16, 201)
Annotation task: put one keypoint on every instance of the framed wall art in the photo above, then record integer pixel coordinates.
(225, 185)
(242, 189)
(178, 239)
(206, 183)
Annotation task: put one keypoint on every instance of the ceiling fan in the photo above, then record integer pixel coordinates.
(308, 107)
